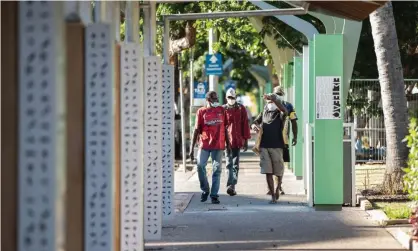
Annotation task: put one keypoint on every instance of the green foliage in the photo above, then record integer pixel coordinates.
(286, 36)
(406, 20)
(413, 113)
(358, 100)
(411, 172)
(123, 27)
(122, 31)
(240, 41)
(237, 38)
(395, 210)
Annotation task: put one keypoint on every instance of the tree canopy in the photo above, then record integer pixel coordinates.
(237, 39)
(406, 20)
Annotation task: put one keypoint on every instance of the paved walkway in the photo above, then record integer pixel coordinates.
(248, 222)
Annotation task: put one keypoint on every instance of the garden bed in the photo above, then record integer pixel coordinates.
(394, 210)
(375, 195)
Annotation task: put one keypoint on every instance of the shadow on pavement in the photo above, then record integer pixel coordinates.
(249, 223)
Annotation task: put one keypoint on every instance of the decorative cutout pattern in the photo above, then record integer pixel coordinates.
(168, 139)
(41, 132)
(153, 149)
(131, 169)
(99, 138)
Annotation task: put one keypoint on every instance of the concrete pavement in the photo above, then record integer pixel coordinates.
(248, 222)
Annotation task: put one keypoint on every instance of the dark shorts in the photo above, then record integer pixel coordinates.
(286, 154)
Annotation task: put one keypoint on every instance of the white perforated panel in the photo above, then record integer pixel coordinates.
(153, 148)
(131, 165)
(168, 139)
(99, 138)
(41, 127)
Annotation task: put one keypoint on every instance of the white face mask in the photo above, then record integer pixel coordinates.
(271, 106)
(231, 101)
(215, 104)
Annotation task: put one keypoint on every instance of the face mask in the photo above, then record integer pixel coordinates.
(271, 106)
(214, 104)
(231, 101)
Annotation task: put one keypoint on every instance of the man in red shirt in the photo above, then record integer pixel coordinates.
(210, 128)
(238, 131)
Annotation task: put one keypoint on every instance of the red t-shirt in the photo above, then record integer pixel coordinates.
(210, 121)
(237, 125)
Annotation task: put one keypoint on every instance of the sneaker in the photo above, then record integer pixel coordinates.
(231, 191)
(204, 197)
(215, 200)
(281, 190)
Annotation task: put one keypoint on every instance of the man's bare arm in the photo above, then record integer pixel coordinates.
(196, 134)
(280, 105)
(275, 98)
(294, 128)
(257, 120)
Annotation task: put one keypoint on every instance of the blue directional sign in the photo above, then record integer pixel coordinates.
(230, 84)
(213, 64)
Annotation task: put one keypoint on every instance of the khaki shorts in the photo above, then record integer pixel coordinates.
(271, 161)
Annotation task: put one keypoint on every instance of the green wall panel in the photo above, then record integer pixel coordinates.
(297, 157)
(311, 83)
(269, 87)
(261, 100)
(328, 133)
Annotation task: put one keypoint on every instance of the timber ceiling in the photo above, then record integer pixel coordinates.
(354, 10)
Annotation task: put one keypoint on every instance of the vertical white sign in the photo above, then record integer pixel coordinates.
(328, 97)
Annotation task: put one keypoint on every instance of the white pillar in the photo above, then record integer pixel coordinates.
(153, 148)
(42, 126)
(131, 26)
(305, 95)
(71, 10)
(191, 87)
(213, 80)
(132, 134)
(183, 113)
(132, 216)
(306, 127)
(146, 31)
(99, 11)
(85, 9)
(115, 17)
(99, 138)
(168, 140)
(153, 27)
(166, 40)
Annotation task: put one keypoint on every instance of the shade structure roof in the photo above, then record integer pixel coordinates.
(353, 10)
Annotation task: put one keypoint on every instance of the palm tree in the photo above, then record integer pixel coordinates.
(393, 96)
